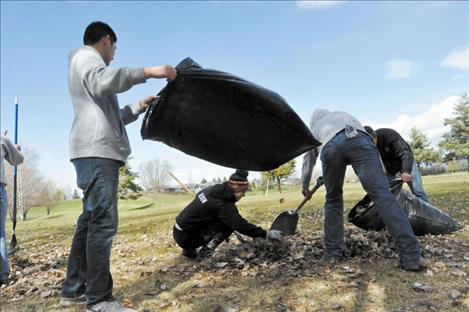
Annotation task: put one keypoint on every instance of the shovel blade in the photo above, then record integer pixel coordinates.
(286, 222)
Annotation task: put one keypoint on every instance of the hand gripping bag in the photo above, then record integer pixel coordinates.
(226, 120)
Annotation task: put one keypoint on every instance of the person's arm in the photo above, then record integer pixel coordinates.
(101, 80)
(162, 71)
(230, 216)
(404, 153)
(12, 152)
(130, 113)
(309, 161)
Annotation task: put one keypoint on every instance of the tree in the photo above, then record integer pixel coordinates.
(254, 184)
(455, 143)
(75, 194)
(421, 149)
(282, 172)
(128, 189)
(50, 195)
(203, 181)
(29, 183)
(154, 175)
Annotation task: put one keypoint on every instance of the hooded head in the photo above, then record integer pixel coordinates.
(372, 133)
(318, 114)
(239, 183)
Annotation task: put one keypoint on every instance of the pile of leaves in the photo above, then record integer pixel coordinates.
(299, 254)
(35, 274)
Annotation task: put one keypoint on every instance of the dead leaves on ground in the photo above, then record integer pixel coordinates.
(41, 274)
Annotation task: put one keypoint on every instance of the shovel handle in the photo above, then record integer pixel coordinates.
(319, 183)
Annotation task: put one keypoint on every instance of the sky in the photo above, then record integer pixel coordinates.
(390, 64)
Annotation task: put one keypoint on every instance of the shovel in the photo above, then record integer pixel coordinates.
(288, 220)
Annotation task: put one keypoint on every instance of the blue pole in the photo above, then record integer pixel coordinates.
(13, 242)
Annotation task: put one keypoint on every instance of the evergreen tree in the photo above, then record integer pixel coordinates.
(421, 149)
(128, 188)
(75, 195)
(455, 143)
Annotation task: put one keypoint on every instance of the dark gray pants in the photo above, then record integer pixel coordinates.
(361, 153)
(88, 268)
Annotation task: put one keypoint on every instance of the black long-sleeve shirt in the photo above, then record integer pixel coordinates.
(216, 204)
(395, 152)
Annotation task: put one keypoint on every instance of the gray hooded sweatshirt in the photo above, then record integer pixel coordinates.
(9, 152)
(98, 126)
(324, 126)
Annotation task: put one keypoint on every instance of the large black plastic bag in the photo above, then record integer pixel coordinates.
(226, 120)
(424, 217)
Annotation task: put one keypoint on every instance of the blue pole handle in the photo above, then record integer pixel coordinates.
(15, 171)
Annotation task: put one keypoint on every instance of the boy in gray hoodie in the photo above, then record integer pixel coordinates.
(99, 146)
(12, 154)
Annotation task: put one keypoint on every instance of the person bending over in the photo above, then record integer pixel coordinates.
(398, 158)
(213, 216)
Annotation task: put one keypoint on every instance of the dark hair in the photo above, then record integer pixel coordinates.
(370, 131)
(95, 31)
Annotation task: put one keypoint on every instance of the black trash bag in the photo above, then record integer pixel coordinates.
(424, 217)
(226, 120)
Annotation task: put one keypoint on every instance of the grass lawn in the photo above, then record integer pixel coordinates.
(151, 275)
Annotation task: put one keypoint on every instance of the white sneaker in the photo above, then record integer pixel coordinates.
(109, 306)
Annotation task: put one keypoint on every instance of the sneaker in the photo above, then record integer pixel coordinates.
(69, 301)
(208, 249)
(190, 253)
(109, 306)
(414, 266)
(333, 260)
(205, 252)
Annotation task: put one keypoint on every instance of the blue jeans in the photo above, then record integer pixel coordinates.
(361, 153)
(88, 268)
(416, 184)
(4, 269)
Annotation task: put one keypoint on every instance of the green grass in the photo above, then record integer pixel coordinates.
(145, 257)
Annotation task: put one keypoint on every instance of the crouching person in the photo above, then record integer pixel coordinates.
(213, 216)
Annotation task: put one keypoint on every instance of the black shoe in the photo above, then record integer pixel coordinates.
(208, 249)
(206, 252)
(190, 253)
(420, 265)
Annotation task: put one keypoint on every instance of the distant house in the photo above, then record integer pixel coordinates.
(173, 189)
(194, 187)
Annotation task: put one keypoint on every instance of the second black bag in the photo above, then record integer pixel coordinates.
(226, 120)
(424, 217)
